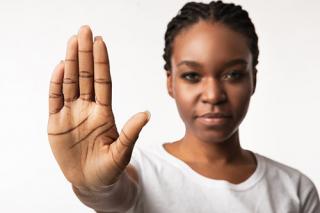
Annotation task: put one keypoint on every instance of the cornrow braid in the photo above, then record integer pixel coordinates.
(229, 14)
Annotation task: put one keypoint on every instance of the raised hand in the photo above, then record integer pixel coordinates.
(81, 127)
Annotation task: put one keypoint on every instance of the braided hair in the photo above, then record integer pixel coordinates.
(228, 14)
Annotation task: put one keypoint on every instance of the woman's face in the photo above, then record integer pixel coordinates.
(211, 73)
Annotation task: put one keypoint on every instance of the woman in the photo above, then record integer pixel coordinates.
(211, 52)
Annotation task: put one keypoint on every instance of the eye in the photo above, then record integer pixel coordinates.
(234, 75)
(191, 76)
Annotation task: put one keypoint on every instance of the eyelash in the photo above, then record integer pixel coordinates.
(239, 74)
(193, 80)
(186, 75)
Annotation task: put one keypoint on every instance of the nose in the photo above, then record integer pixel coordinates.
(213, 92)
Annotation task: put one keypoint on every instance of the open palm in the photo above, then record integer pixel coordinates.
(81, 128)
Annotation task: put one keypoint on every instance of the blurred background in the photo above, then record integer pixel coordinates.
(282, 122)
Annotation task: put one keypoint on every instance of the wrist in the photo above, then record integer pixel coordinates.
(98, 189)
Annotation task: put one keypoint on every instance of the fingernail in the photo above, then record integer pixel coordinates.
(148, 114)
(61, 61)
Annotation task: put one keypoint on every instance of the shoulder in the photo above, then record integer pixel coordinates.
(149, 153)
(277, 170)
(291, 180)
(151, 156)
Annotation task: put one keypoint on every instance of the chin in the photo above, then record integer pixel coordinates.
(215, 136)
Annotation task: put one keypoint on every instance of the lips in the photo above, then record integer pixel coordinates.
(214, 119)
(215, 115)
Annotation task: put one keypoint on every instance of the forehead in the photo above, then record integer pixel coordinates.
(210, 43)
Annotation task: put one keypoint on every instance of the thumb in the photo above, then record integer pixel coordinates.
(129, 135)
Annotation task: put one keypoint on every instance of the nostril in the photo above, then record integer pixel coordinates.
(213, 92)
(214, 97)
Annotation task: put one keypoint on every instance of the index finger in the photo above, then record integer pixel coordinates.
(102, 77)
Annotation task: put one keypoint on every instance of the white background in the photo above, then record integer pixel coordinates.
(283, 118)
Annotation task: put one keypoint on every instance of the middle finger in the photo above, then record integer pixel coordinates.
(85, 54)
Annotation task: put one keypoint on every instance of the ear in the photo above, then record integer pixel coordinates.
(169, 83)
(254, 76)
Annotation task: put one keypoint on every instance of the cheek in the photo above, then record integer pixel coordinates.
(185, 98)
(239, 99)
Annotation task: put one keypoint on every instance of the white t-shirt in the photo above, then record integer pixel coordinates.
(170, 185)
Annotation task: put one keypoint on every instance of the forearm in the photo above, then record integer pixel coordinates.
(117, 197)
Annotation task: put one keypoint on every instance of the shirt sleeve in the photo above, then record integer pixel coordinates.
(118, 197)
(310, 202)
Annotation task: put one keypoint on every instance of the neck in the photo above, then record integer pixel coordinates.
(218, 153)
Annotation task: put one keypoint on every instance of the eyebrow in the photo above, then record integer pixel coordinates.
(189, 63)
(227, 64)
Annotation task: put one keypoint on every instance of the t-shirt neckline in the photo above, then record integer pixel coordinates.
(209, 182)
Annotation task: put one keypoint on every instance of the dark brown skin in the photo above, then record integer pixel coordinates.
(90, 150)
(205, 50)
(83, 136)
